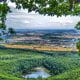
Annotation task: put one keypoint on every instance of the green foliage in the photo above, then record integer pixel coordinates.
(11, 31)
(50, 7)
(8, 77)
(70, 75)
(78, 46)
(1, 39)
(2, 26)
(77, 26)
(4, 9)
(16, 62)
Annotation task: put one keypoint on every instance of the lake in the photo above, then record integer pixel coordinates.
(40, 72)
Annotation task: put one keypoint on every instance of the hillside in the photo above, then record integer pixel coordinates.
(16, 62)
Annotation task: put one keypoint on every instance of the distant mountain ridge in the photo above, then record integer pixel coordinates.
(46, 30)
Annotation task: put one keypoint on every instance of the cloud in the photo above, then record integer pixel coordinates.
(23, 19)
(11, 4)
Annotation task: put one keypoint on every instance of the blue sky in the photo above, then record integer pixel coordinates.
(21, 19)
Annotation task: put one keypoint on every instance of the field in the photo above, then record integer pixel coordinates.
(62, 65)
(40, 47)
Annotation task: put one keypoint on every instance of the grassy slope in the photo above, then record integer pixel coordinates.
(14, 61)
(8, 77)
(70, 75)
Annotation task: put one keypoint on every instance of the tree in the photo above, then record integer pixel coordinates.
(50, 7)
(78, 25)
(78, 43)
(11, 31)
(4, 9)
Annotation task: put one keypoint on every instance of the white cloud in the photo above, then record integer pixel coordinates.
(23, 19)
(11, 4)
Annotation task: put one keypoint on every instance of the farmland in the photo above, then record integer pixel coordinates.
(45, 40)
(40, 47)
(16, 62)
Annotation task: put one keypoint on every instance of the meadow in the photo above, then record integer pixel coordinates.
(62, 65)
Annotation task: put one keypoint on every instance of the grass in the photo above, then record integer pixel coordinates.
(70, 75)
(16, 62)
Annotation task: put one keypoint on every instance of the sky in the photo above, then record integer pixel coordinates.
(21, 19)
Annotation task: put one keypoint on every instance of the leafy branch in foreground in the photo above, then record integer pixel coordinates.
(50, 7)
(4, 9)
